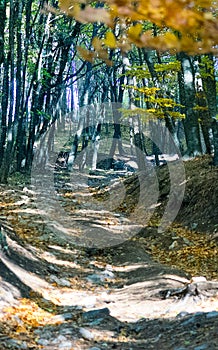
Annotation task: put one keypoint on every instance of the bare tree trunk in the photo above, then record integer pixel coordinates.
(188, 98)
(2, 29)
(9, 149)
(215, 140)
(4, 109)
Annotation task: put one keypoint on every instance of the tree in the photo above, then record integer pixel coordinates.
(35, 63)
(43, 51)
(188, 100)
(178, 27)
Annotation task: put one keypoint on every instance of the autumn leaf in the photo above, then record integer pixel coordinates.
(86, 54)
(97, 44)
(170, 40)
(110, 40)
(66, 5)
(70, 7)
(135, 31)
(90, 15)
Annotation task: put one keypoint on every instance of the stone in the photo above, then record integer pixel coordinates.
(107, 274)
(42, 342)
(95, 278)
(212, 314)
(60, 281)
(202, 347)
(60, 338)
(91, 315)
(189, 321)
(64, 283)
(86, 334)
(66, 345)
(62, 317)
(182, 314)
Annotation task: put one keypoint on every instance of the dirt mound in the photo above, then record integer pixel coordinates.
(199, 208)
(200, 205)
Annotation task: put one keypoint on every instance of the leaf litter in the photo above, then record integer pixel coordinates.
(188, 245)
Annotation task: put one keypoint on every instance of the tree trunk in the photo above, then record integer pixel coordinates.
(215, 140)
(209, 85)
(2, 28)
(8, 153)
(117, 138)
(187, 99)
(117, 100)
(5, 101)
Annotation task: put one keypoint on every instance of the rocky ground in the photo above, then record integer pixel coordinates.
(78, 273)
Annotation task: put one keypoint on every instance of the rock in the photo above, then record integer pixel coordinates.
(95, 278)
(136, 328)
(64, 283)
(182, 314)
(189, 321)
(24, 345)
(66, 345)
(53, 268)
(16, 344)
(107, 274)
(202, 347)
(212, 314)
(92, 315)
(119, 165)
(27, 190)
(174, 245)
(187, 242)
(62, 317)
(199, 314)
(60, 281)
(43, 342)
(86, 334)
(98, 278)
(194, 225)
(60, 338)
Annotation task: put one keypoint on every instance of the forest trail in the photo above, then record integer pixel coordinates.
(83, 297)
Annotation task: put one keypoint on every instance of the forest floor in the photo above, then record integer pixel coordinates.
(155, 290)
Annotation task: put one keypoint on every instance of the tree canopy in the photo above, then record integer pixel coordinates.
(58, 56)
(181, 25)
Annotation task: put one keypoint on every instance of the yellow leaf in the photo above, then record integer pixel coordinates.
(171, 40)
(110, 40)
(135, 31)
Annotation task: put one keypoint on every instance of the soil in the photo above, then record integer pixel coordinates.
(137, 288)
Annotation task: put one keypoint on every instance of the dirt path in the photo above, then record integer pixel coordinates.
(56, 294)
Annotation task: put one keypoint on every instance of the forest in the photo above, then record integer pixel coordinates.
(108, 174)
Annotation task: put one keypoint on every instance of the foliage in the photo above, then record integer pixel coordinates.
(157, 99)
(206, 67)
(189, 26)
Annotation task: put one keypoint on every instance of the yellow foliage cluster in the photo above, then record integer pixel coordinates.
(29, 314)
(185, 25)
